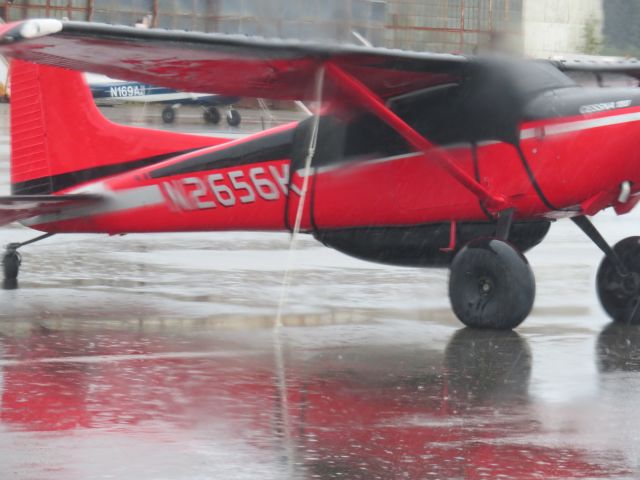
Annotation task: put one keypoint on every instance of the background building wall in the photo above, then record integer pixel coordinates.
(622, 27)
(306, 19)
(451, 25)
(553, 27)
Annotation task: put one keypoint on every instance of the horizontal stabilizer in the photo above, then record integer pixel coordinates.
(22, 207)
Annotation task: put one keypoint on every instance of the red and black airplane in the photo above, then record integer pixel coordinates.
(416, 159)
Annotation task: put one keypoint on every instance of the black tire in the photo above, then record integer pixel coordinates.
(11, 265)
(168, 115)
(233, 118)
(491, 285)
(620, 295)
(211, 115)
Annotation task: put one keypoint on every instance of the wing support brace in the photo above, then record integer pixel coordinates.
(493, 203)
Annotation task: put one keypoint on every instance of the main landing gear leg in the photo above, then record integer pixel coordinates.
(12, 259)
(503, 226)
(618, 278)
(491, 285)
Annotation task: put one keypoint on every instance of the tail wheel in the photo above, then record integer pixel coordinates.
(619, 292)
(233, 118)
(11, 264)
(168, 115)
(211, 115)
(491, 285)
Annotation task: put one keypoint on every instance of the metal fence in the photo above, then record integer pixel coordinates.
(450, 25)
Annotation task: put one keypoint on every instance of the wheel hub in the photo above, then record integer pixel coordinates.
(486, 285)
(631, 283)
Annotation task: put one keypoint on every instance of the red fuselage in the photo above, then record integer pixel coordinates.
(573, 159)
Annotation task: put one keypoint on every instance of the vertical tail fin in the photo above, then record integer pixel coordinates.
(60, 139)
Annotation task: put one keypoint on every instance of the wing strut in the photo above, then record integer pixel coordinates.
(369, 100)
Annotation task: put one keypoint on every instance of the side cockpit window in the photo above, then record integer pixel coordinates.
(363, 137)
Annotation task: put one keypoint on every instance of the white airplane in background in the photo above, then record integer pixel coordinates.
(108, 91)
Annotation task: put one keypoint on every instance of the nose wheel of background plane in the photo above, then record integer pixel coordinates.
(491, 285)
(233, 117)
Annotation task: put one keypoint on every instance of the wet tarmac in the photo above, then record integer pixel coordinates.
(155, 357)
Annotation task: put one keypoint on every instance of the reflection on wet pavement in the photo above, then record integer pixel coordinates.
(155, 357)
(183, 401)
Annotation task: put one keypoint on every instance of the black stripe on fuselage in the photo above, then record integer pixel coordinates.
(263, 149)
(534, 181)
(55, 183)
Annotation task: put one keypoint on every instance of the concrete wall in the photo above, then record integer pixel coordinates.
(554, 27)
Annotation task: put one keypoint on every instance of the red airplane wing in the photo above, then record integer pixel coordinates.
(21, 207)
(225, 64)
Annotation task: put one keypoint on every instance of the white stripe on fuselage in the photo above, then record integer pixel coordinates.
(113, 202)
(356, 162)
(579, 125)
(366, 162)
(153, 97)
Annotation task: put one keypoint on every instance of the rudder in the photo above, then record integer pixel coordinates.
(60, 138)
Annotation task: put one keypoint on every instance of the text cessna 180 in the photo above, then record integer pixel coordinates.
(416, 159)
(108, 91)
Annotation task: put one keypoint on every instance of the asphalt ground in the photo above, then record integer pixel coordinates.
(155, 357)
